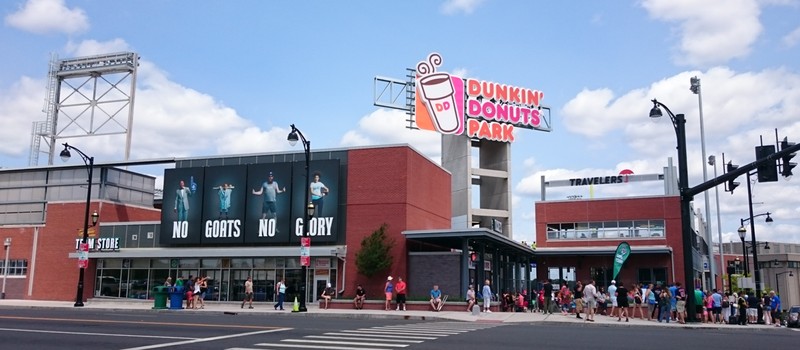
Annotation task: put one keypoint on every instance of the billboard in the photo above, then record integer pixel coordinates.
(323, 194)
(256, 204)
(269, 189)
(224, 191)
(181, 213)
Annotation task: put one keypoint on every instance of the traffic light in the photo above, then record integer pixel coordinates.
(786, 160)
(731, 185)
(768, 171)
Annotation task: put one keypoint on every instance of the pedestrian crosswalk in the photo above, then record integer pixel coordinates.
(375, 338)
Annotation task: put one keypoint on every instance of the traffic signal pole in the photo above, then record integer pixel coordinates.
(742, 170)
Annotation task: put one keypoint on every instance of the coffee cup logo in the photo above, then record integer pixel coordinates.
(439, 95)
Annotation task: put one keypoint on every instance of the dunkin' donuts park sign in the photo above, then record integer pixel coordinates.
(482, 109)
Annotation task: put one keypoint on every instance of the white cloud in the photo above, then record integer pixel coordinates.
(94, 47)
(451, 7)
(20, 106)
(710, 32)
(385, 126)
(48, 16)
(170, 120)
(791, 39)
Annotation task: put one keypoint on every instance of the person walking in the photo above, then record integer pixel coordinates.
(487, 296)
(248, 292)
(578, 295)
(280, 289)
(612, 293)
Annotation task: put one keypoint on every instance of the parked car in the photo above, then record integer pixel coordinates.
(793, 316)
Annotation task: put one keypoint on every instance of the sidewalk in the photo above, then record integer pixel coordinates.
(314, 311)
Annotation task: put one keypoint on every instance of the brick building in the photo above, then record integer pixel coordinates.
(136, 245)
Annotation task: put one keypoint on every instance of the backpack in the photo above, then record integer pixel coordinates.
(725, 303)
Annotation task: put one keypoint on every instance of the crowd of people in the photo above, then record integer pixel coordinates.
(652, 302)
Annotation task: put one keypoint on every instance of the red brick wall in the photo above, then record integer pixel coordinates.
(663, 207)
(396, 186)
(55, 274)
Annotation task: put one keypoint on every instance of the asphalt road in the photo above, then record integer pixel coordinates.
(84, 329)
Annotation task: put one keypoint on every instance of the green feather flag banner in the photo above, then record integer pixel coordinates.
(622, 253)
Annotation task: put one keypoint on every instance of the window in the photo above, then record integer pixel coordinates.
(17, 267)
(657, 275)
(642, 229)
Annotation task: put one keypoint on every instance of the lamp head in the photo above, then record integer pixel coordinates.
(311, 209)
(712, 160)
(769, 219)
(293, 138)
(655, 113)
(695, 81)
(741, 232)
(65, 155)
(766, 246)
(7, 242)
(95, 216)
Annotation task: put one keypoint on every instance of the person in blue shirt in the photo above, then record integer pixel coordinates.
(775, 308)
(436, 297)
(716, 307)
(673, 301)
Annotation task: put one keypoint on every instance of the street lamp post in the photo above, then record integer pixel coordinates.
(7, 248)
(695, 87)
(89, 161)
(777, 283)
(294, 136)
(742, 230)
(712, 162)
(687, 234)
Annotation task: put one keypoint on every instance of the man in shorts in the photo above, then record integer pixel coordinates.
(590, 295)
(680, 304)
(248, 292)
(436, 297)
(361, 295)
(612, 294)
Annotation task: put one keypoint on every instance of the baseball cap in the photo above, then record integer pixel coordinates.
(270, 173)
(389, 278)
(613, 282)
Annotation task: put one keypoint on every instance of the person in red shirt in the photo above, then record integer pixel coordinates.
(400, 287)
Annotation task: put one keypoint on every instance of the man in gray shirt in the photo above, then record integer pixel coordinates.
(270, 191)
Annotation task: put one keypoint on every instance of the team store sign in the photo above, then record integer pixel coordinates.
(485, 110)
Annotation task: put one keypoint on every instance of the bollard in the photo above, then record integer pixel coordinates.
(476, 310)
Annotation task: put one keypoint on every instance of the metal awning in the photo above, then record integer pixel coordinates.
(455, 238)
(604, 250)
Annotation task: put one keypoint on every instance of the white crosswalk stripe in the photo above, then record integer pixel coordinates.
(376, 338)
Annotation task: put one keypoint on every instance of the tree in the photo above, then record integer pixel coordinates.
(374, 255)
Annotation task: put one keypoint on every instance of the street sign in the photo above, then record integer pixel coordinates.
(305, 251)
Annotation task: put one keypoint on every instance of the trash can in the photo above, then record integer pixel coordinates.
(176, 298)
(160, 297)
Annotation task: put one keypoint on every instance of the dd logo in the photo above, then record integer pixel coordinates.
(443, 106)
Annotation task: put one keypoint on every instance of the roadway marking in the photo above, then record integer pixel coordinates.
(89, 333)
(351, 333)
(343, 343)
(366, 339)
(314, 347)
(133, 322)
(203, 340)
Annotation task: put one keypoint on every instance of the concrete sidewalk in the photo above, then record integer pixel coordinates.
(267, 309)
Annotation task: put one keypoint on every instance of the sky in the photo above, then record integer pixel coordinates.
(229, 77)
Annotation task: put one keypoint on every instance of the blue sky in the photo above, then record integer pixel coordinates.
(229, 77)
